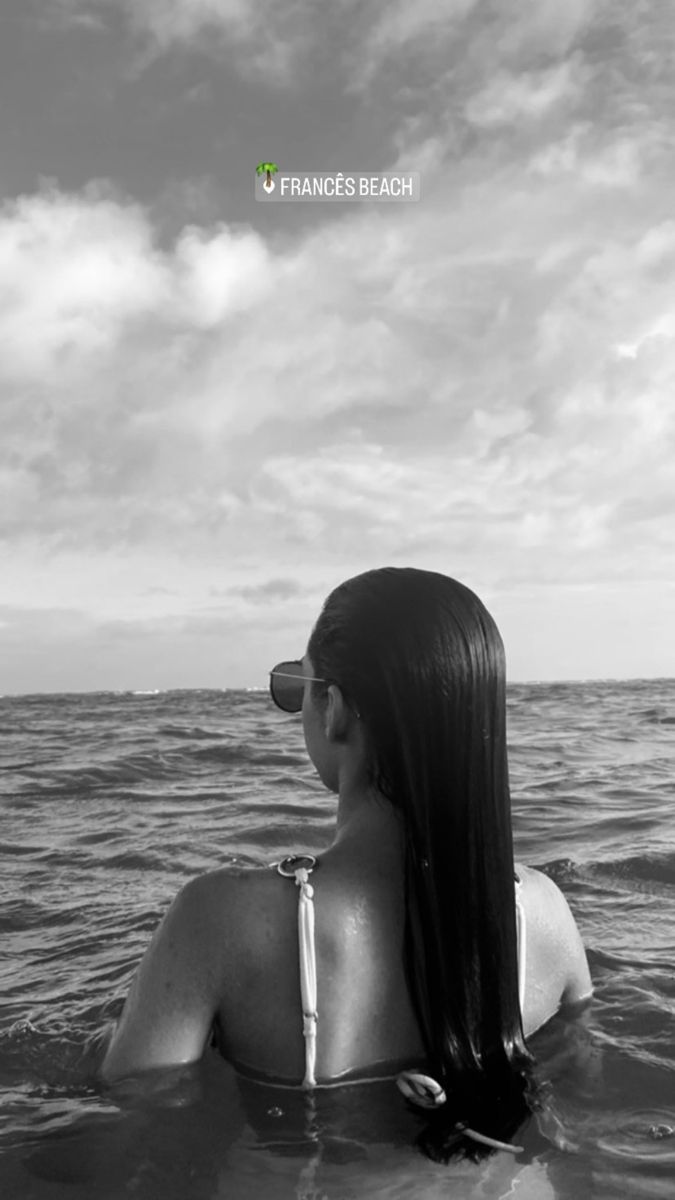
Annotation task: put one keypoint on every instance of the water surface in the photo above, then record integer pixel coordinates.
(110, 802)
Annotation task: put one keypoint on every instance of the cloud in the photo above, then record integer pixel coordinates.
(529, 95)
(272, 589)
(66, 15)
(56, 649)
(403, 26)
(594, 160)
(78, 272)
(281, 43)
(99, 333)
(480, 381)
(262, 38)
(181, 19)
(73, 270)
(453, 383)
(543, 27)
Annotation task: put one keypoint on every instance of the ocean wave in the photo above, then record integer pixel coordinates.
(652, 867)
(112, 801)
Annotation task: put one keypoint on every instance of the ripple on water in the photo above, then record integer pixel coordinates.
(644, 1135)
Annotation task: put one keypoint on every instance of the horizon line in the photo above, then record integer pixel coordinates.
(11, 695)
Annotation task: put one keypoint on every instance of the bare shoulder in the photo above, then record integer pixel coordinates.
(221, 893)
(193, 964)
(237, 903)
(557, 941)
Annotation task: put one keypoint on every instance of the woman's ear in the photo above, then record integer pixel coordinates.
(336, 715)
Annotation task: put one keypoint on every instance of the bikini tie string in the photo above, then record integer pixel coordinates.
(308, 987)
(426, 1092)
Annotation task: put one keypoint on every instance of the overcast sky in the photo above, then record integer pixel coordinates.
(213, 410)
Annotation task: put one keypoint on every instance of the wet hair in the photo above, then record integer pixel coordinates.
(420, 658)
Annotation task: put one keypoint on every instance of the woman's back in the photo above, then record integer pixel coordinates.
(241, 927)
(417, 938)
(366, 1019)
(365, 1015)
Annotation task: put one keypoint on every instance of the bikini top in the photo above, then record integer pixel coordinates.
(299, 867)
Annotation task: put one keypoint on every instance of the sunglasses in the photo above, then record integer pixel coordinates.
(287, 685)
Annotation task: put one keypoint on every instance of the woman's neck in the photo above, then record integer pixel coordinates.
(367, 820)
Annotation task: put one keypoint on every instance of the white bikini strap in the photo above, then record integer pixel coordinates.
(521, 933)
(307, 959)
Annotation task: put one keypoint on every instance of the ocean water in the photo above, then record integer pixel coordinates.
(110, 802)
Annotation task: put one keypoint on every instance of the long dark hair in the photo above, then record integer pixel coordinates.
(421, 660)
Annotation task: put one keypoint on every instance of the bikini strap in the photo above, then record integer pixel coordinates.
(521, 937)
(299, 867)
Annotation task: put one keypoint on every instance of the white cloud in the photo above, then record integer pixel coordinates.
(429, 389)
(178, 20)
(404, 27)
(561, 156)
(260, 38)
(278, 42)
(76, 272)
(602, 158)
(481, 382)
(543, 27)
(510, 98)
(72, 271)
(219, 274)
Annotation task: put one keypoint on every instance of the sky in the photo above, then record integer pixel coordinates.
(213, 410)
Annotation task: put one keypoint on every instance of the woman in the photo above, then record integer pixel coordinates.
(423, 928)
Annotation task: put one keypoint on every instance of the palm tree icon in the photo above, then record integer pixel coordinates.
(268, 169)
